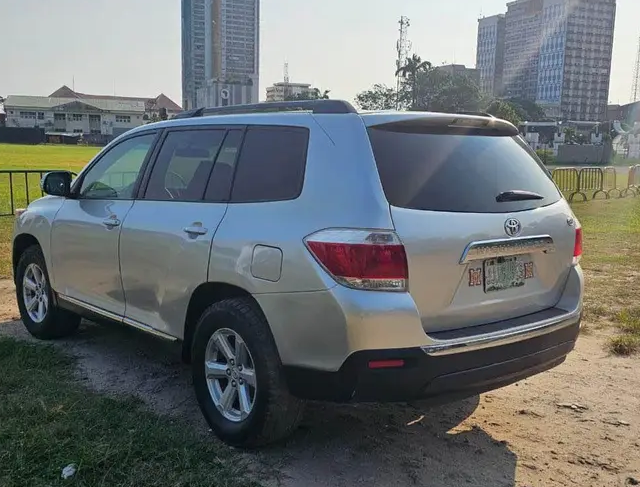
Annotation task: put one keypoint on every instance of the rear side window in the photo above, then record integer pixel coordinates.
(271, 164)
(458, 173)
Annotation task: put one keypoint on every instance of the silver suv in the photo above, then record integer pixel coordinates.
(306, 251)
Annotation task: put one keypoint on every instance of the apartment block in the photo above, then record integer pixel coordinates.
(220, 47)
(490, 54)
(283, 90)
(556, 53)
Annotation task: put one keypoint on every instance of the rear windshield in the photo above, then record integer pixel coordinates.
(458, 173)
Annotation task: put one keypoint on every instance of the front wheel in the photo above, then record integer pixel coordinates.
(237, 376)
(39, 313)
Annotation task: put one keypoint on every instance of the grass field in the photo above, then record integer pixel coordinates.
(46, 425)
(30, 157)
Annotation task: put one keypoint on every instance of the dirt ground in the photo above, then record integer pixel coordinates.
(578, 424)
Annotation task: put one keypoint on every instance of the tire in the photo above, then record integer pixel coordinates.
(274, 413)
(55, 322)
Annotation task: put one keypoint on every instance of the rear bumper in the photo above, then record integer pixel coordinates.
(442, 375)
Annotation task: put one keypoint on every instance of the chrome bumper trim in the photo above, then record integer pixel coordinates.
(502, 337)
(506, 247)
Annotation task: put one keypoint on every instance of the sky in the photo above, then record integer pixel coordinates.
(133, 47)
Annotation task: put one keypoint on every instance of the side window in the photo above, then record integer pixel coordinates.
(220, 182)
(271, 164)
(184, 165)
(114, 176)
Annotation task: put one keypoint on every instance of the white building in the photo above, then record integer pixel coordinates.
(558, 54)
(490, 54)
(220, 44)
(67, 111)
(282, 90)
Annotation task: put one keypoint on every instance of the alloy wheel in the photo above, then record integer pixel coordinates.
(34, 293)
(231, 375)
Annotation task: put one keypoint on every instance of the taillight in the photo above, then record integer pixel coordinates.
(577, 248)
(362, 259)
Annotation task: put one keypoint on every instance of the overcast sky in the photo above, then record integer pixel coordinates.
(132, 47)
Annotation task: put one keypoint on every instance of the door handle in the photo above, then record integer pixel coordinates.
(195, 230)
(111, 222)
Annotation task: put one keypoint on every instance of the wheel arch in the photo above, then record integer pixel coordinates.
(202, 297)
(21, 243)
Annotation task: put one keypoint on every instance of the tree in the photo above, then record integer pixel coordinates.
(528, 110)
(379, 97)
(504, 110)
(412, 70)
(456, 94)
(570, 135)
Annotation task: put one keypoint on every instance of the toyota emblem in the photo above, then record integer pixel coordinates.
(512, 227)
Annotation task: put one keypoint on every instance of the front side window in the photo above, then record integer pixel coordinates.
(184, 165)
(114, 176)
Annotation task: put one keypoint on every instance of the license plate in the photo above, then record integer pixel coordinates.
(505, 273)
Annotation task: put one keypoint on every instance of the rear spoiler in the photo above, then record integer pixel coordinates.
(442, 123)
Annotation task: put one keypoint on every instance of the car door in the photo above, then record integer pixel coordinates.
(166, 237)
(85, 232)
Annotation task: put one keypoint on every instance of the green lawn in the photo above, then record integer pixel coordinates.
(31, 157)
(46, 425)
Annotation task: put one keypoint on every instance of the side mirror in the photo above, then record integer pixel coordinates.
(57, 183)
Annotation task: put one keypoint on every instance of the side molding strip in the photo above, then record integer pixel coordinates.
(116, 317)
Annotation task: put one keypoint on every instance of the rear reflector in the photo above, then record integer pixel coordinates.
(361, 259)
(577, 248)
(386, 364)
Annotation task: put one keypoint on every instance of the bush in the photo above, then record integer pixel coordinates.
(546, 156)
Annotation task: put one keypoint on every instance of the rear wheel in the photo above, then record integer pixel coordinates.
(39, 313)
(237, 376)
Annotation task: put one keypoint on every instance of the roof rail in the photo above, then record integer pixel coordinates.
(477, 114)
(313, 106)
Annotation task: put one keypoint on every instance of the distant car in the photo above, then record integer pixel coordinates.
(304, 251)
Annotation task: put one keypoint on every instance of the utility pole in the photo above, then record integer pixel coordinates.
(635, 87)
(403, 47)
(287, 84)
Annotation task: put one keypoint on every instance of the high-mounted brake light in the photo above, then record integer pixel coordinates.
(577, 248)
(373, 260)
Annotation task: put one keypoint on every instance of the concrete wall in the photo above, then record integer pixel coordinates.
(584, 154)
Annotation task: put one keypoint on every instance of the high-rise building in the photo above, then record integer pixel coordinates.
(490, 54)
(523, 34)
(558, 54)
(220, 51)
(194, 48)
(587, 34)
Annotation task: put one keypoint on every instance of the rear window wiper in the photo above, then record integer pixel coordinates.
(518, 195)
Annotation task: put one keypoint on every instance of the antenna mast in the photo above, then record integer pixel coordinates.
(403, 47)
(635, 89)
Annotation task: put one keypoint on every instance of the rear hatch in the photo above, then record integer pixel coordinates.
(487, 234)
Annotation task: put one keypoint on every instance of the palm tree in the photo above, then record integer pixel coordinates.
(322, 95)
(411, 70)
